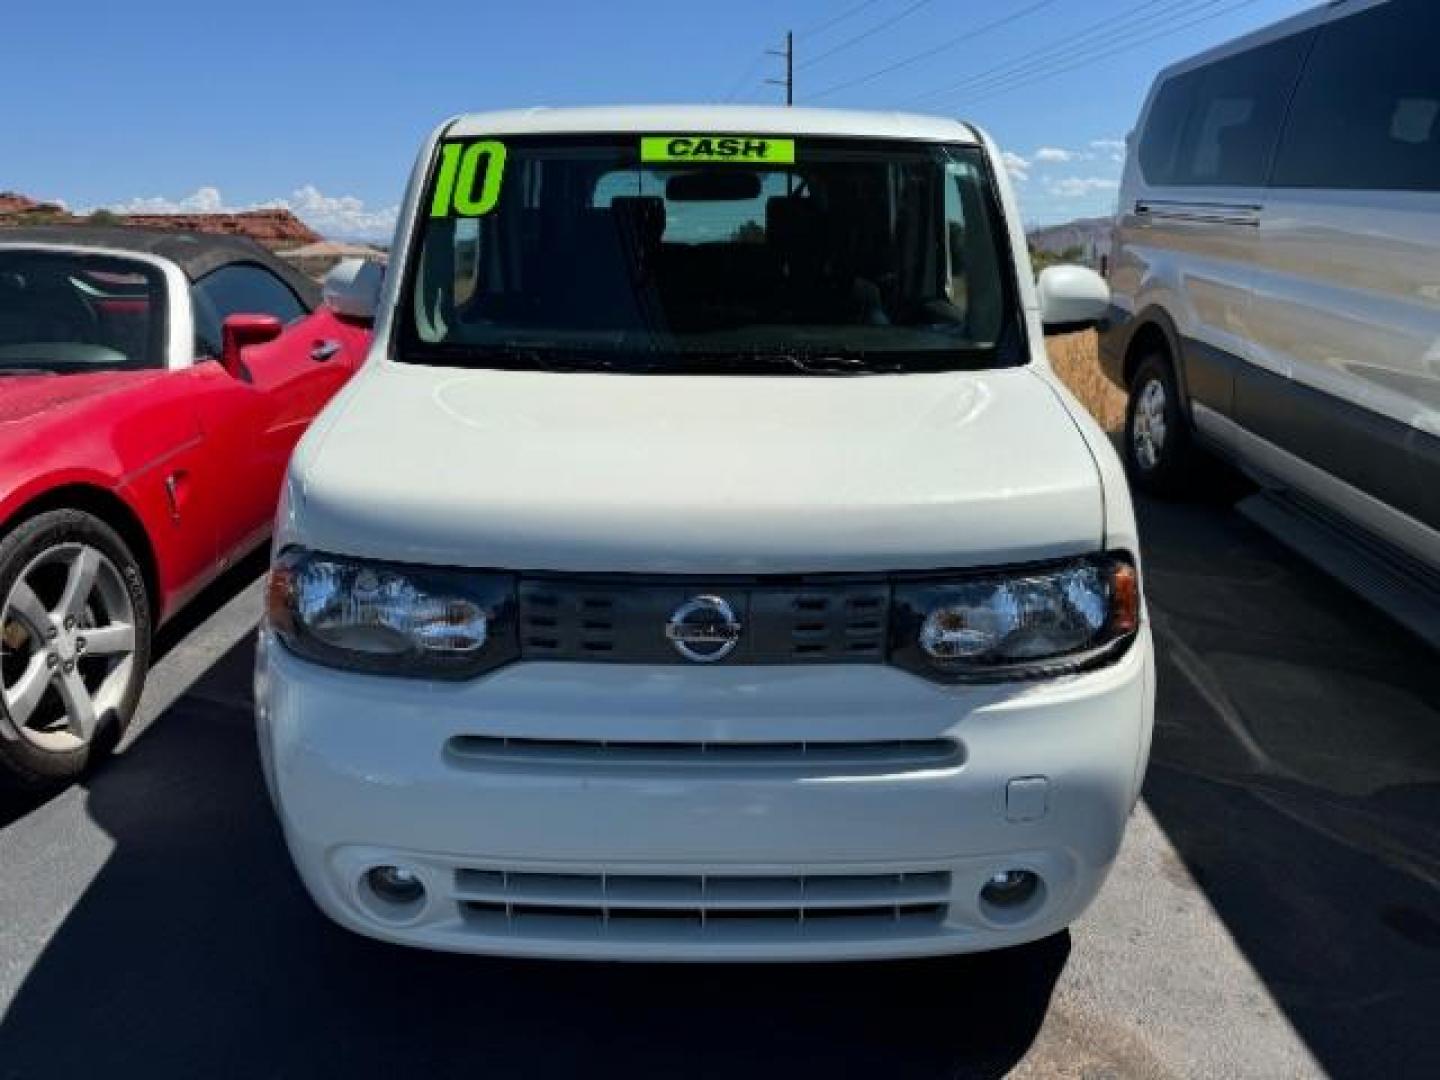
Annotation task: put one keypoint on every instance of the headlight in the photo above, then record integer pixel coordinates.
(1024, 623)
(391, 619)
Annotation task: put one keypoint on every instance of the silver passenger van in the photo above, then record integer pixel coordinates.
(1276, 284)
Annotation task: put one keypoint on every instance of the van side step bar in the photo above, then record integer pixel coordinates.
(1388, 579)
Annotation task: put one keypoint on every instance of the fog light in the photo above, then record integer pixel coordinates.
(396, 885)
(1010, 888)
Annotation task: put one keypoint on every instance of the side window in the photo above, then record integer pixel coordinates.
(235, 289)
(1367, 112)
(972, 281)
(1165, 125)
(1235, 120)
(467, 259)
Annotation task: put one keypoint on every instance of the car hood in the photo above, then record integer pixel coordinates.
(673, 474)
(26, 398)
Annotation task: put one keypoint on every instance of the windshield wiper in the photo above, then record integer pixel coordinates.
(556, 358)
(842, 364)
(818, 363)
(528, 358)
(26, 371)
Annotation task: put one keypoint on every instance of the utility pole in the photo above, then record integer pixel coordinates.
(789, 54)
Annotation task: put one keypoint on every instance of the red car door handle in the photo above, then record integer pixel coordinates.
(325, 350)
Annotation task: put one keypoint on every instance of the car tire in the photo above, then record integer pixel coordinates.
(1159, 451)
(74, 645)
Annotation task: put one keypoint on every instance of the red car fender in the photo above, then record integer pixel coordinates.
(118, 454)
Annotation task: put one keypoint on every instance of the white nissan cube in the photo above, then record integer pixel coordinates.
(706, 564)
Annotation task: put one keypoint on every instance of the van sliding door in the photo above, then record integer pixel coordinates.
(1205, 173)
(1347, 303)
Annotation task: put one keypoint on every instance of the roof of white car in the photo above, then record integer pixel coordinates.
(721, 119)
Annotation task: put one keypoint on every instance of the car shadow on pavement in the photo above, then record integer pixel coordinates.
(195, 952)
(1296, 770)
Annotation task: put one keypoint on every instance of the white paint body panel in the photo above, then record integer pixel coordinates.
(698, 475)
(359, 772)
(610, 473)
(719, 119)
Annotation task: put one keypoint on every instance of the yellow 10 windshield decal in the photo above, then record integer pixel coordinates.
(467, 182)
(712, 148)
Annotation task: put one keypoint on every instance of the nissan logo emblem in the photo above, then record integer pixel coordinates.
(704, 629)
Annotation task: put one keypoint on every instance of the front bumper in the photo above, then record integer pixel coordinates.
(664, 813)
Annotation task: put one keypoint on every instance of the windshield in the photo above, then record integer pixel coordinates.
(62, 312)
(710, 254)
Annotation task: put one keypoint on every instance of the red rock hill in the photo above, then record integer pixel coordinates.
(273, 228)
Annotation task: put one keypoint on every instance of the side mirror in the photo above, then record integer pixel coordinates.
(239, 332)
(1072, 298)
(352, 289)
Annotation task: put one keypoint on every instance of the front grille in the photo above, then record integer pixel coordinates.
(623, 621)
(501, 901)
(799, 758)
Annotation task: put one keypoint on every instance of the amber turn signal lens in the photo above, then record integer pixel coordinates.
(280, 599)
(1124, 598)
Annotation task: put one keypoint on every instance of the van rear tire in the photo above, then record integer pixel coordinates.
(1159, 450)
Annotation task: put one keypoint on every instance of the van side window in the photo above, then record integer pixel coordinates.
(1367, 112)
(1235, 121)
(1165, 124)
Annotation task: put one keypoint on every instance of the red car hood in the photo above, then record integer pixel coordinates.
(25, 398)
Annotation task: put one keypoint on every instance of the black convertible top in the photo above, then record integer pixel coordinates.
(196, 253)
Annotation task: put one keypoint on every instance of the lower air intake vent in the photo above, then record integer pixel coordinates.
(501, 901)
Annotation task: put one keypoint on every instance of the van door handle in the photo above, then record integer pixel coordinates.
(1199, 213)
(324, 350)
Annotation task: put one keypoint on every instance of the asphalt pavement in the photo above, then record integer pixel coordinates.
(1275, 911)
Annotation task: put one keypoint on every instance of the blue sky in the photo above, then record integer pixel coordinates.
(320, 105)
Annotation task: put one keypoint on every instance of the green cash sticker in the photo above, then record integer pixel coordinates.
(467, 183)
(674, 149)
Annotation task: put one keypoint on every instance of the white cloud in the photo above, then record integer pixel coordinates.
(1017, 166)
(1109, 149)
(1075, 187)
(205, 200)
(341, 216)
(1053, 155)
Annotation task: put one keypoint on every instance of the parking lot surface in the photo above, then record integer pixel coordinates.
(1275, 911)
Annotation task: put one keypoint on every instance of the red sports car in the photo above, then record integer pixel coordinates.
(152, 387)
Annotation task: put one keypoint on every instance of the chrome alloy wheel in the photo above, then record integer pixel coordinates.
(1149, 427)
(67, 646)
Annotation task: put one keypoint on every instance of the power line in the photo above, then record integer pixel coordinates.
(1005, 89)
(885, 25)
(1016, 81)
(1038, 57)
(826, 24)
(1064, 53)
(933, 50)
(745, 76)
